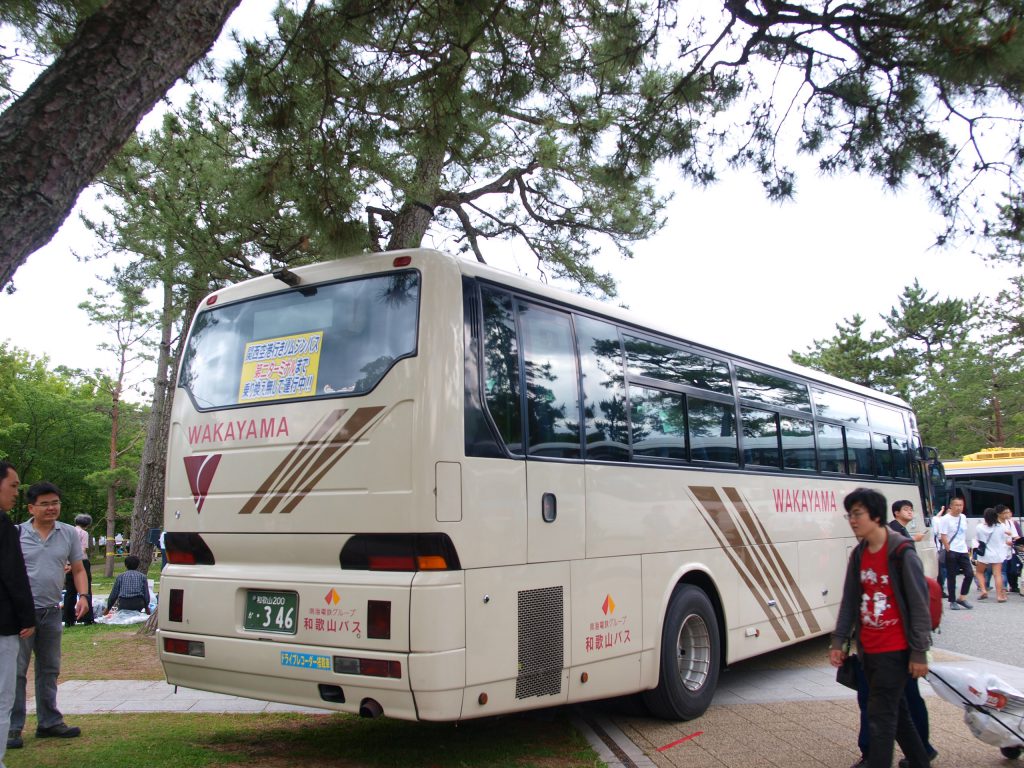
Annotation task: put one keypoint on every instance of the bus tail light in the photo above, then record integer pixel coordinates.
(347, 665)
(378, 619)
(176, 605)
(399, 552)
(187, 549)
(184, 647)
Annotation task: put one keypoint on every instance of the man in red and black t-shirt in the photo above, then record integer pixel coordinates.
(885, 608)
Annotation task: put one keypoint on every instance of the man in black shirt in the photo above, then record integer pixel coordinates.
(902, 514)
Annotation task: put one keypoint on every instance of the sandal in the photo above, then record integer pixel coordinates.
(983, 596)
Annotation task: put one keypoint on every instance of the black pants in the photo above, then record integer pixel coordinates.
(915, 704)
(958, 562)
(888, 717)
(71, 597)
(137, 603)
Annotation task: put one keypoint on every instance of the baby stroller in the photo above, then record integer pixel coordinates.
(993, 709)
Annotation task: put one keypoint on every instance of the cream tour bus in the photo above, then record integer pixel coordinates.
(412, 485)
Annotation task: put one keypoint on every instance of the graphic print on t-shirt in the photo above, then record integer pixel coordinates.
(881, 625)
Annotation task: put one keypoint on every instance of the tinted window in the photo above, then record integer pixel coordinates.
(712, 430)
(858, 452)
(668, 363)
(883, 455)
(552, 384)
(772, 390)
(832, 405)
(902, 459)
(797, 443)
(606, 423)
(831, 456)
(659, 423)
(322, 341)
(501, 368)
(760, 438)
(887, 419)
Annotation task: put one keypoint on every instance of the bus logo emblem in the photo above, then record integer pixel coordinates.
(200, 471)
(608, 606)
(332, 597)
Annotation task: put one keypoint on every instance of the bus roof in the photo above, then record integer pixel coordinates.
(986, 459)
(629, 317)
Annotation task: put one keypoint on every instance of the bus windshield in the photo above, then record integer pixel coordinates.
(317, 341)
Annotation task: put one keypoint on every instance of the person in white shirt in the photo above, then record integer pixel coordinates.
(952, 531)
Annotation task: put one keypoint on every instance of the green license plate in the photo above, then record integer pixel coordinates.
(271, 611)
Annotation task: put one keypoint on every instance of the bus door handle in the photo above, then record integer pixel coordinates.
(548, 508)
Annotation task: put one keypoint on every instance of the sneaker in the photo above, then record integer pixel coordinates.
(963, 603)
(59, 731)
(905, 762)
(955, 607)
(14, 740)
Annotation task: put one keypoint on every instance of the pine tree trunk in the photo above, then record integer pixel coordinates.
(68, 125)
(148, 509)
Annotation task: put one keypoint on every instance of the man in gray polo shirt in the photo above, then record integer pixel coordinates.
(48, 546)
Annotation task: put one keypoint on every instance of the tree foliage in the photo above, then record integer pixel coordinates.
(55, 426)
(947, 357)
(383, 122)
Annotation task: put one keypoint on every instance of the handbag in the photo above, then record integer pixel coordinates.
(983, 545)
(847, 673)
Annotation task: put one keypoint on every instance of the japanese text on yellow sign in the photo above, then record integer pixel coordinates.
(285, 367)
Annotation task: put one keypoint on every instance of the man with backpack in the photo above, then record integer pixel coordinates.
(884, 610)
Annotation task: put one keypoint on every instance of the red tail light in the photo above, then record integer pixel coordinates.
(378, 619)
(184, 647)
(400, 552)
(187, 549)
(176, 605)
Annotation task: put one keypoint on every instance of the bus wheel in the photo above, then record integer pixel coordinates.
(689, 657)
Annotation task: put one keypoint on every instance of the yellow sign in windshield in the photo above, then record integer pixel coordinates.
(280, 368)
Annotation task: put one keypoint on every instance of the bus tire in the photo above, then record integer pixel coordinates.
(690, 657)
(1010, 753)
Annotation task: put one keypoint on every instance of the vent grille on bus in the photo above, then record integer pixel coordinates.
(540, 643)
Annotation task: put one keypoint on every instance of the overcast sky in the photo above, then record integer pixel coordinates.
(729, 269)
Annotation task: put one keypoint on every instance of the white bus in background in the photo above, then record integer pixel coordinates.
(412, 485)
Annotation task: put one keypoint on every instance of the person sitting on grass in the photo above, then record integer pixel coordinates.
(131, 590)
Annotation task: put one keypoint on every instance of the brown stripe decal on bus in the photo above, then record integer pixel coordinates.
(743, 557)
(757, 560)
(307, 463)
(786, 580)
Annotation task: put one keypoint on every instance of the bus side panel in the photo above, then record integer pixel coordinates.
(607, 624)
(493, 527)
(518, 635)
(632, 510)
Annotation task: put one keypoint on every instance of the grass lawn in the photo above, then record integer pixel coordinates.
(543, 740)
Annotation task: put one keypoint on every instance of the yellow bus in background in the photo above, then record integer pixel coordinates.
(984, 479)
(413, 485)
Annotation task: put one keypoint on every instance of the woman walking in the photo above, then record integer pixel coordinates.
(991, 536)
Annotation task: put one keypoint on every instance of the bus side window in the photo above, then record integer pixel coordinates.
(552, 382)
(501, 368)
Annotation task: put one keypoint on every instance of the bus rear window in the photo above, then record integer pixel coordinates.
(318, 341)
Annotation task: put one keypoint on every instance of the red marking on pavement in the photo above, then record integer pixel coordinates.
(677, 742)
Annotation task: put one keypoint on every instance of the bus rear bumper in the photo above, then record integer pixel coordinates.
(304, 676)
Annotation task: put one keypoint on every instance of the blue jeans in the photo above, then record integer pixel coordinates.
(8, 681)
(888, 717)
(45, 643)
